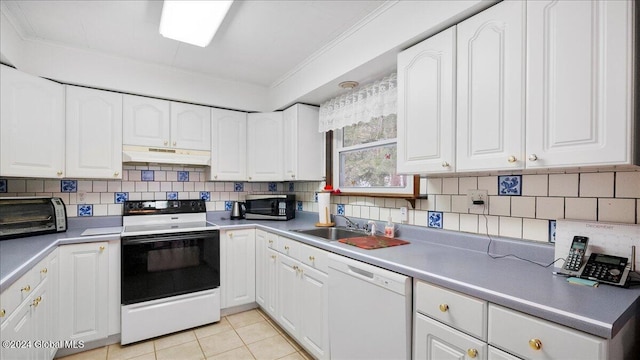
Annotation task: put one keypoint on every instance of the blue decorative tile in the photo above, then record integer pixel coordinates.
(183, 176)
(3, 185)
(434, 219)
(121, 197)
(227, 205)
(299, 207)
(315, 197)
(205, 195)
(340, 209)
(69, 186)
(238, 187)
(147, 175)
(85, 210)
(510, 185)
(291, 187)
(552, 231)
(273, 186)
(172, 195)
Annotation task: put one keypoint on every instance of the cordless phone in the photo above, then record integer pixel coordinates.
(608, 269)
(573, 263)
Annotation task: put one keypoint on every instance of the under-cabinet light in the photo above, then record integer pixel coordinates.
(192, 22)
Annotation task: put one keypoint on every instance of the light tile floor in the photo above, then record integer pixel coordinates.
(247, 335)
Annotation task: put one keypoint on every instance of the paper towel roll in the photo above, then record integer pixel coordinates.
(324, 208)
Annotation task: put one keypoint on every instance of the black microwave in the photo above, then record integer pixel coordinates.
(270, 207)
(26, 216)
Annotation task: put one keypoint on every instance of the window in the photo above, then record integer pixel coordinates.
(365, 158)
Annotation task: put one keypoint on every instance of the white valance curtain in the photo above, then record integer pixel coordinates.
(360, 104)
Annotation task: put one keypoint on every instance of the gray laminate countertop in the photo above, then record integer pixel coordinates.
(457, 261)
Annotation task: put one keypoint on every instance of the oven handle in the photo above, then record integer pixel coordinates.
(152, 238)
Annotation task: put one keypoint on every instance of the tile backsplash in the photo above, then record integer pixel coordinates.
(523, 206)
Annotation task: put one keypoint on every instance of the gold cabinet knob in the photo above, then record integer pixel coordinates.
(116, 173)
(533, 157)
(293, 176)
(166, 143)
(59, 173)
(273, 257)
(511, 159)
(215, 176)
(535, 344)
(270, 241)
(26, 288)
(311, 258)
(444, 307)
(44, 271)
(36, 301)
(286, 248)
(295, 267)
(2, 313)
(249, 177)
(472, 353)
(102, 248)
(174, 143)
(230, 235)
(445, 164)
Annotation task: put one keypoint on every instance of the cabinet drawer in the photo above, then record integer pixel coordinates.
(288, 246)
(434, 340)
(313, 257)
(460, 311)
(22, 288)
(518, 333)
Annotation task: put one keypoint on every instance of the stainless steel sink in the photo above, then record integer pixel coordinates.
(332, 233)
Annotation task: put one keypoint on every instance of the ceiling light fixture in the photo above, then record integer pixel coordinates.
(348, 84)
(192, 22)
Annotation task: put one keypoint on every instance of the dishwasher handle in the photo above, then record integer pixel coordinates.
(390, 280)
(361, 272)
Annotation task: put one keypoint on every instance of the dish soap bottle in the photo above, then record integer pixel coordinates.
(389, 229)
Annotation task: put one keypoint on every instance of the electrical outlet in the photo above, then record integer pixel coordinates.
(81, 197)
(404, 214)
(477, 198)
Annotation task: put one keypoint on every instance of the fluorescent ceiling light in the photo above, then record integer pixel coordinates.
(192, 22)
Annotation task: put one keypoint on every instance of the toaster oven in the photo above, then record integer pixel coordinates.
(26, 216)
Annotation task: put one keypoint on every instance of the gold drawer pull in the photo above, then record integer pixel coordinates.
(286, 248)
(26, 288)
(44, 271)
(444, 307)
(36, 301)
(472, 353)
(311, 258)
(2, 313)
(535, 344)
(273, 257)
(102, 248)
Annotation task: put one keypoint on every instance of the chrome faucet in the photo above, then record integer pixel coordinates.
(350, 223)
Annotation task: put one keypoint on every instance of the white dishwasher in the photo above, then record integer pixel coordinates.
(369, 311)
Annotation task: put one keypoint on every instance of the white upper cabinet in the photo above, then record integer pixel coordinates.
(94, 133)
(426, 106)
(190, 126)
(31, 125)
(165, 124)
(490, 101)
(228, 145)
(303, 144)
(265, 146)
(146, 121)
(579, 83)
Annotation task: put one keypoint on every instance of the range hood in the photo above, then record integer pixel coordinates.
(143, 154)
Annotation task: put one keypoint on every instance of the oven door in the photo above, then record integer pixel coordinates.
(163, 265)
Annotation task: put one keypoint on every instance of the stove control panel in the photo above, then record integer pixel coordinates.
(157, 207)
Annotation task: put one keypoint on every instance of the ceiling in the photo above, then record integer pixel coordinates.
(260, 42)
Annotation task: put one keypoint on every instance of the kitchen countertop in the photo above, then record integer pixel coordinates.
(454, 260)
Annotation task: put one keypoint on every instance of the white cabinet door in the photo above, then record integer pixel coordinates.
(261, 267)
(303, 144)
(271, 282)
(146, 121)
(579, 83)
(94, 133)
(31, 125)
(266, 266)
(190, 126)
(265, 147)
(288, 311)
(84, 270)
(238, 255)
(497, 354)
(314, 312)
(426, 105)
(436, 341)
(490, 107)
(228, 145)
(20, 328)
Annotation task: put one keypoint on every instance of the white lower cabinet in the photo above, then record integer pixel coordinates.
(29, 327)
(84, 291)
(238, 267)
(434, 340)
(497, 354)
(291, 287)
